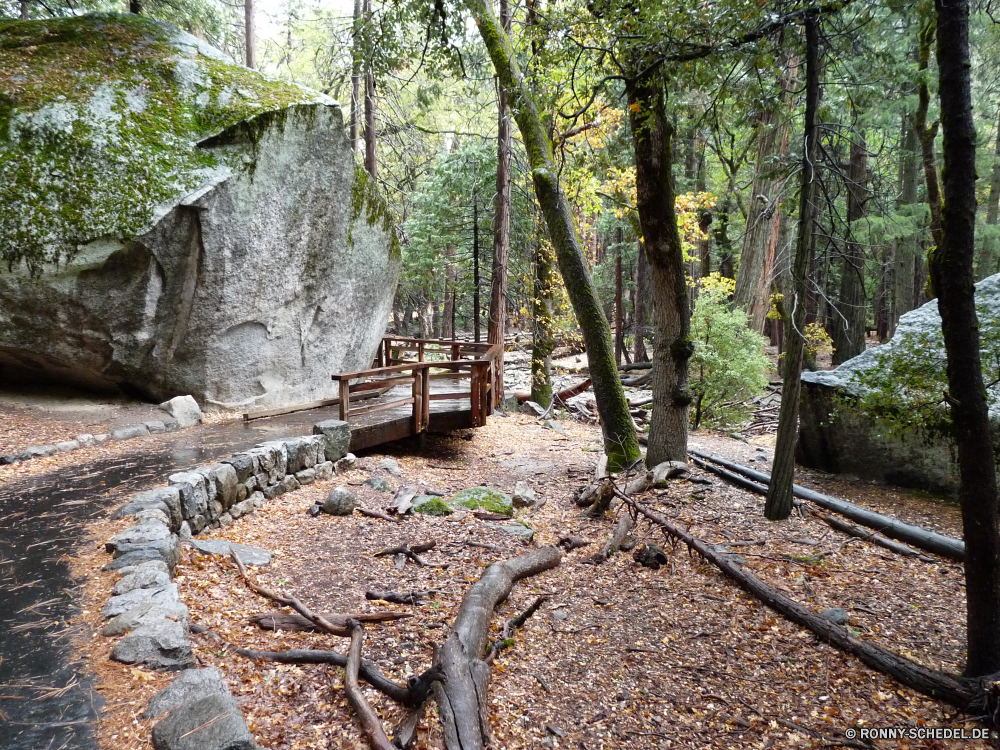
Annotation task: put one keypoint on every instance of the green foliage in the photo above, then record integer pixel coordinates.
(729, 366)
(906, 385)
(484, 498)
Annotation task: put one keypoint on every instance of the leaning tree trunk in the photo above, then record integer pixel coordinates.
(952, 281)
(849, 338)
(651, 134)
(620, 442)
(371, 162)
(991, 248)
(779, 493)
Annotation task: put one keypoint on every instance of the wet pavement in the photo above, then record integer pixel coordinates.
(47, 699)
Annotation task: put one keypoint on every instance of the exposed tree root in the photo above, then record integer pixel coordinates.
(505, 640)
(368, 718)
(297, 623)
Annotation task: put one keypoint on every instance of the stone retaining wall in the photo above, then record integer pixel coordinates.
(145, 608)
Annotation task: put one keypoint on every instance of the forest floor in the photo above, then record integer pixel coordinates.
(618, 655)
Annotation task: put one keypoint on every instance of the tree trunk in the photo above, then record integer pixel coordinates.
(248, 27)
(501, 218)
(952, 279)
(357, 57)
(639, 315)
(371, 163)
(926, 136)
(753, 280)
(651, 135)
(475, 268)
(779, 493)
(905, 249)
(543, 340)
(621, 445)
(135, 7)
(24, 10)
(448, 318)
(619, 318)
(988, 262)
(724, 246)
(849, 330)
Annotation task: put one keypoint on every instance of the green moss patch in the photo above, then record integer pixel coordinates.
(431, 506)
(484, 498)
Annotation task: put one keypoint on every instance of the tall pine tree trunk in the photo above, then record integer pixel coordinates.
(249, 35)
(357, 57)
(952, 280)
(448, 320)
(849, 338)
(778, 505)
(990, 260)
(620, 442)
(501, 216)
(906, 248)
(651, 136)
(641, 293)
(543, 340)
(371, 162)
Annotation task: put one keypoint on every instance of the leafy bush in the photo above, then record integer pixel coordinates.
(729, 366)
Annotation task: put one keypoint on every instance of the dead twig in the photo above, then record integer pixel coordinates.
(369, 720)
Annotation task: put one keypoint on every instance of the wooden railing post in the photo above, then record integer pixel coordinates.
(425, 387)
(474, 398)
(345, 399)
(418, 400)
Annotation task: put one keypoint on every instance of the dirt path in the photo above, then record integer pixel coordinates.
(619, 655)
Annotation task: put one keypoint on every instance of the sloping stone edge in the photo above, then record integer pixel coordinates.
(128, 432)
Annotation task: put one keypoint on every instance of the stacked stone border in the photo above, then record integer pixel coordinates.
(86, 440)
(145, 609)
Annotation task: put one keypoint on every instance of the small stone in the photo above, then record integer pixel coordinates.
(346, 463)
(129, 431)
(242, 508)
(257, 499)
(184, 533)
(324, 471)
(102, 438)
(155, 427)
(431, 505)
(7, 459)
(560, 614)
(509, 403)
(306, 476)
(191, 685)
(391, 466)
(340, 502)
(85, 439)
(515, 529)
(151, 514)
(184, 409)
(523, 496)
(275, 490)
(650, 556)
(836, 615)
(171, 425)
(554, 425)
(213, 722)
(40, 451)
(145, 614)
(249, 555)
(337, 436)
(314, 509)
(290, 483)
(68, 445)
(378, 483)
(225, 519)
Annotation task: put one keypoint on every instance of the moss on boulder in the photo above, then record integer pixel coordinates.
(484, 498)
(431, 505)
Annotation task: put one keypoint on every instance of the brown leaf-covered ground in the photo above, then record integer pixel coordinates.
(618, 656)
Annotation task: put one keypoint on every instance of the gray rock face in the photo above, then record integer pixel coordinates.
(532, 409)
(143, 578)
(391, 466)
(253, 261)
(523, 496)
(129, 431)
(836, 615)
(378, 483)
(184, 409)
(337, 435)
(836, 437)
(190, 685)
(146, 614)
(212, 722)
(119, 604)
(514, 529)
(162, 644)
(340, 502)
(148, 535)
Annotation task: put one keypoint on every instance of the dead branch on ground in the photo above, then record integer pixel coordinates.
(369, 720)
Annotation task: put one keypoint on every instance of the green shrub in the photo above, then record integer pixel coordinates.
(729, 366)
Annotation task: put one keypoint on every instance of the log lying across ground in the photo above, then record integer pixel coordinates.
(462, 696)
(976, 697)
(298, 623)
(563, 395)
(926, 540)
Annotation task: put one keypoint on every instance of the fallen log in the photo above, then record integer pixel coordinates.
(369, 720)
(646, 377)
(297, 623)
(970, 695)
(462, 697)
(378, 514)
(916, 536)
(636, 366)
(413, 597)
(624, 526)
(563, 395)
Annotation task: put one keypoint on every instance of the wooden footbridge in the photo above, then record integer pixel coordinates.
(414, 386)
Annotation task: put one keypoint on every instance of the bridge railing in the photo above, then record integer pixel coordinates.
(404, 361)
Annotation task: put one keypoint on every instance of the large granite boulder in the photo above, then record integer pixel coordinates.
(837, 436)
(176, 224)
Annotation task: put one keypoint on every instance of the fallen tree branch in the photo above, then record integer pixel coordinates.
(289, 601)
(870, 536)
(298, 623)
(406, 549)
(975, 696)
(379, 514)
(413, 597)
(928, 541)
(505, 640)
(565, 393)
(369, 720)
(625, 525)
(462, 698)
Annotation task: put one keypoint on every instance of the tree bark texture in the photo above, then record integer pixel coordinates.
(639, 314)
(849, 338)
(448, 319)
(651, 137)
(371, 162)
(476, 281)
(951, 270)
(462, 697)
(619, 313)
(906, 249)
(990, 259)
(620, 441)
(779, 494)
(357, 57)
(926, 135)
